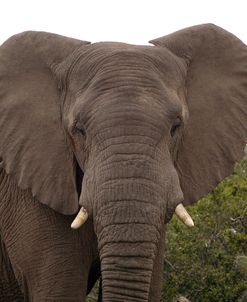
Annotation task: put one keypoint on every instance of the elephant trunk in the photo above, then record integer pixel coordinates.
(126, 275)
(127, 252)
(128, 190)
(128, 220)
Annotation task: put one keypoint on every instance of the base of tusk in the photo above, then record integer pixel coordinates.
(183, 215)
(80, 219)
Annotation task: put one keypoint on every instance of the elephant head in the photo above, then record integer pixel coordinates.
(129, 133)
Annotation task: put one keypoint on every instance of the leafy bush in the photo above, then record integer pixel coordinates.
(93, 296)
(208, 262)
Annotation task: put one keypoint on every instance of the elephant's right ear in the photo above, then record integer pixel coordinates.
(216, 85)
(33, 144)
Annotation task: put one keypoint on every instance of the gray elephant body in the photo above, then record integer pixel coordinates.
(127, 132)
(49, 260)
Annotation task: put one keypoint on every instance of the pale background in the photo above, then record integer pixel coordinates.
(131, 21)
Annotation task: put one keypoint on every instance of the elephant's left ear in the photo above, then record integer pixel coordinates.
(33, 145)
(216, 133)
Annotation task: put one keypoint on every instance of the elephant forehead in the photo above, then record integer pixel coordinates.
(136, 82)
(127, 112)
(125, 64)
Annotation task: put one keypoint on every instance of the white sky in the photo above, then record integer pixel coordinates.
(132, 21)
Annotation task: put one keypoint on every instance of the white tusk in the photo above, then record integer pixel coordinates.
(80, 219)
(183, 215)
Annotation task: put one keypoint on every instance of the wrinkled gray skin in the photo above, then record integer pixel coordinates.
(126, 131)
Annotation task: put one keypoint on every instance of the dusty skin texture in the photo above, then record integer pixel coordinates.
(128, 132)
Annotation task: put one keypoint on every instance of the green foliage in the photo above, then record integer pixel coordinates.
(93, 296)
(208, 262)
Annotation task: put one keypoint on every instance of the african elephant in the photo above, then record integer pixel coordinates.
(130, 134)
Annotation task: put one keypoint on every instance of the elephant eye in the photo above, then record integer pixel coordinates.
(176, 124)
(80, 129)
